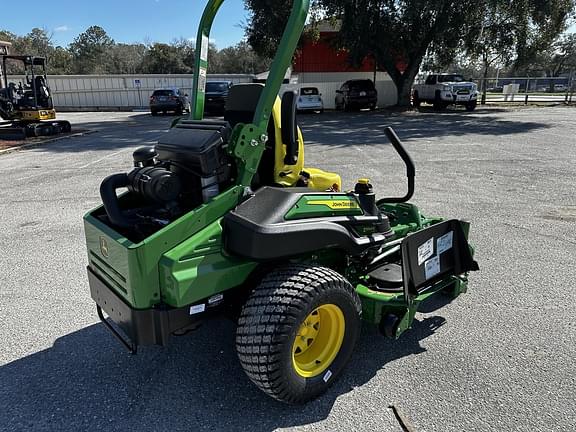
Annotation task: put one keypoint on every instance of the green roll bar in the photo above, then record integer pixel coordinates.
(282, 60)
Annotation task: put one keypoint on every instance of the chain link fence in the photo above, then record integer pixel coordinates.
(528, 89)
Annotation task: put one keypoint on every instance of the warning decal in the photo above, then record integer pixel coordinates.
(445, 242)
(432, 267)
(425, 251)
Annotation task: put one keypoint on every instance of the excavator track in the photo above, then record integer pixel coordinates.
(21, 131)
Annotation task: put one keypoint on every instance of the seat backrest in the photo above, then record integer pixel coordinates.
(240, 108)
(242, 102)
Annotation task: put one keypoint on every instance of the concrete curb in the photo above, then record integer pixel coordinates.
(48, 141)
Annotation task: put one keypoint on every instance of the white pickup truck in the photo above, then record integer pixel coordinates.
(442, 90)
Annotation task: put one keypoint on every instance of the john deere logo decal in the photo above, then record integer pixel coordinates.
(337, 204)
(104, 247)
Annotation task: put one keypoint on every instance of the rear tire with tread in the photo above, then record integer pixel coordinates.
(271, 319)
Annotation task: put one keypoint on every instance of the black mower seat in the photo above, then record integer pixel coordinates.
(387, 278)
(257, 229)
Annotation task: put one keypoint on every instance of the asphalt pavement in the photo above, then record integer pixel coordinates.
(499, 358)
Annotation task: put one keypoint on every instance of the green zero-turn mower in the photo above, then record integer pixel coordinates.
(222, 217)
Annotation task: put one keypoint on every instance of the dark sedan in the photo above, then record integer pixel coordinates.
(216, 95)
(357, 94)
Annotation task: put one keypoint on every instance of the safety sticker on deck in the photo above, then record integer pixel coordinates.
(444, 243)
(215, 299)
(197, 309)
(425, 251)
(432, 267)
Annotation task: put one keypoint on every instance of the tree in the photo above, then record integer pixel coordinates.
(491, 39)
(241, 58)
(400, 33)
(60, 62)
(164, 59)
(90, 51)
(564, 55)
(396, 33)
(266, 22)
(7, 36)
(93, 51)
(186, 49)
(36, 43)
(515, 31)
(126, 58)
(559, 58)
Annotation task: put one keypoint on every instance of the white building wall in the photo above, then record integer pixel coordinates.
(93, 92)
(329, 82)
(117, 92)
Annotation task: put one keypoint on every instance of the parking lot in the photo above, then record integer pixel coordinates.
(499, 358)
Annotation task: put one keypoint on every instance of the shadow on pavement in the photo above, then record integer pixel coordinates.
(343, 129)
(333, 129)
(116, 132)
(86, 382)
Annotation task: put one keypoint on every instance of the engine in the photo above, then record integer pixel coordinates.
(187, 167)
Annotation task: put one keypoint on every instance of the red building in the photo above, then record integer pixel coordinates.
(321, 56)
(321, 65)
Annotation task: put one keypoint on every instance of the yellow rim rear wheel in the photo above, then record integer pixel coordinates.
(317, 304)
(318, 340)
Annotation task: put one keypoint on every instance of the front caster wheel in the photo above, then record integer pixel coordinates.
(297, 331)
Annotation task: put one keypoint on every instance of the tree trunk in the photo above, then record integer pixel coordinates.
(404, 82)
(550, 75)
(404, 92)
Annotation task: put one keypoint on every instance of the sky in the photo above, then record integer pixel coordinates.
(132, 20)
(129, 20)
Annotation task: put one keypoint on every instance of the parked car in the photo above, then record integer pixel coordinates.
(309, 99)
(442, 90)
(495, 89)
(169, 99)
(560, 87)
(356, 94)
(216, 96)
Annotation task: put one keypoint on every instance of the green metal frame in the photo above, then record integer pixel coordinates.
(248, 141)
(281, 62)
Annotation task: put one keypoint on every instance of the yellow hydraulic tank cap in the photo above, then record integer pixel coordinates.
(364, 181)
